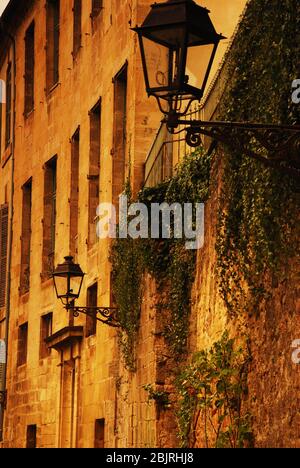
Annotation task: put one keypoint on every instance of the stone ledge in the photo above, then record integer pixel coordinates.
(64, 337)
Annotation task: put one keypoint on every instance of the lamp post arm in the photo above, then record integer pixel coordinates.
(280, 143)
(241, 125)
(106, 315)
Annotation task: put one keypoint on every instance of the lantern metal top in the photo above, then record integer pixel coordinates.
(68, 268)
(178, 13)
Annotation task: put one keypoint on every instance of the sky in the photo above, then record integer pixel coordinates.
(3, 4)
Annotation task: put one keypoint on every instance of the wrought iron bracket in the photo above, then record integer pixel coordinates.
(106, 315)
(276, 146)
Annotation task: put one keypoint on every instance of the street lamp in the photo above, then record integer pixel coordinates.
(68, 278)
(172, 38)
(178, 43)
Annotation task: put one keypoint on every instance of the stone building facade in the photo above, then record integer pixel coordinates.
(76, 125)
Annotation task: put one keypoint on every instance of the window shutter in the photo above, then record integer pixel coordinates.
(29, 69)
(3, 251)
(8, 106)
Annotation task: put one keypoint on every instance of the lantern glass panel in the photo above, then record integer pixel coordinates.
(75, 286)
(157, 63)
(198, 59)
(61, 285)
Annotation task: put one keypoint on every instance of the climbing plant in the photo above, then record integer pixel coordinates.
(169, 263)
(258, 206)
(160, 397)
(210, 394)
(127, 272)
(127, 279)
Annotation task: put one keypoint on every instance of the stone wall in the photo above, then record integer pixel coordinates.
(273, 378)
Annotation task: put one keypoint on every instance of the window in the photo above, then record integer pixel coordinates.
(120, 110)
(26, 238)
(29, 69)
(91, 321)
(75, 143)
(3, 251)
(94, 170)
(46, 331)
(99, 433)
(53, 31)
(77, 20)
(31, 437)
(96, 7)
(49, 221)
(8, 106)
(22, 344)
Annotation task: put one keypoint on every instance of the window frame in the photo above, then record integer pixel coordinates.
(22, 345)
(8, 109)
(77, 27)
(50, 213)
(46, 319)
(91, 301)
(29, 69)
(53, 19)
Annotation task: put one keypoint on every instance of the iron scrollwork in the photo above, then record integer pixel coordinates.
(276, 146)
(106, 315)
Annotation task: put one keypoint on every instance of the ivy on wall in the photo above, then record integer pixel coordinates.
(166, 260)
(258, 206)
(127, 280)
(161, 398)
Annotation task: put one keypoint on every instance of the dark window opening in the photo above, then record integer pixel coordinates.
(22, 344)
(120, 118)
(94, 171)
(96, 7)
(29, 69)
(8, 106)
(26, 238)
(46, 331)
(53, 32)
(99, 433)
(77, 26)
(74, 195)
(3, 251)
(49, 221)
(91, 320)
(31, 437)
